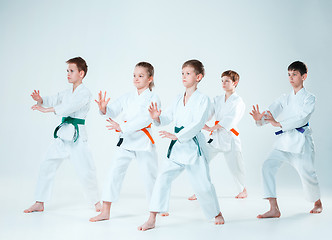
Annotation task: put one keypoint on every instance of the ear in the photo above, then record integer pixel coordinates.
(199, 77)
(82, 73)
(236, 83)
(150, 79)
(304, 76)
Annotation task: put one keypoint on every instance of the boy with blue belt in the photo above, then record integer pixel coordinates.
(294, 144)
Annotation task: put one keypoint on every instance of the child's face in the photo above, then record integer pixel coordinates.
(141, 78)
(296, 79)
(73, 75)
(228, 84)
(189, 77)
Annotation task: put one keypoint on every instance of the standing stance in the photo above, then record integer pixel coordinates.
(135, 140)
(187, 150)
(294, 144)
(228, 110)
(70, 137)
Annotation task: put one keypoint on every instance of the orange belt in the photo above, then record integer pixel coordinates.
(236, 133)
(146, 132)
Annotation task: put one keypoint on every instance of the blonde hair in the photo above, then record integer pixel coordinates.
(149, 68)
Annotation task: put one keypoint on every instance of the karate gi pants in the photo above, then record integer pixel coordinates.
(199, 177)
(304, 165)
(234, 162)
(80, 156)
(148, 164)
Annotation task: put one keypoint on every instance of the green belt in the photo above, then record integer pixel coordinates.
(176, 130)
(74, 122)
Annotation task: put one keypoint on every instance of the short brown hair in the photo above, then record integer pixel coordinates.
(197, 65)
(149, 68)
(80, 63)
(232, 75)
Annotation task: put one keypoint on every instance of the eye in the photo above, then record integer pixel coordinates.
(188, 73)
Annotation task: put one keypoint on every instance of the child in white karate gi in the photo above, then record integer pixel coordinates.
(187, 150)
(135, 140)
(290, 113)
(70, 137)
(228, 110)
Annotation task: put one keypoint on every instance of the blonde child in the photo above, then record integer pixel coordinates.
(135, 140)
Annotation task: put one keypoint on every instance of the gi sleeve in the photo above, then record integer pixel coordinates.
(302, 117)
(233, 118)
(81, 99)
(52, 101)
(115, 108)
(141, 122)
(201, 116)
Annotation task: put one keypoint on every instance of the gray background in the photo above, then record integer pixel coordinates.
(258, 39)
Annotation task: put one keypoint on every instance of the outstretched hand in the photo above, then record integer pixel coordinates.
(42, 109)
(154, 112)
(113, 125)
(102, 103)
(165, 134)
(256, 114)
(35, 96)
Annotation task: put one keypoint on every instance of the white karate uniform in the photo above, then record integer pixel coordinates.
(76, 105)
(185, 155)
(293, 147)
(228, 113)
(135, 145)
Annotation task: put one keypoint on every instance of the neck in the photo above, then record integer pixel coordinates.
(76, 84)
(190, 91)
(296, 89)
(229, 93)
(139, 91)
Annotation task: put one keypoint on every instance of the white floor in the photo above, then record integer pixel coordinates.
(67, 218)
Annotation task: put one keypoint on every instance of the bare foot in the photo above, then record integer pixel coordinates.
(37, 207)
(98, 207)
(192, 198)
(101, 217)
(150, 223)
(273, 213)
(165, 214)
(147, 225)
(318, 208)
(219, 220)
(242, 194)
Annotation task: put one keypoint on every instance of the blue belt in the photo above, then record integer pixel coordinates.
(300, 129)
(176, 130)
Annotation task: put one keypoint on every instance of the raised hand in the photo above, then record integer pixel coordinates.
(102, 103)
(256, 114)
(35, 96)
(165, 134)
(113, 125)
(269, 118)
(42, 109)
(154, 112)
(207, 128)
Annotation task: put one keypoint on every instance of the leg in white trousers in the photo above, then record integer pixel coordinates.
(81, 157)
(200, 179)
(147, 162)
(303, 163)
(234, 162)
